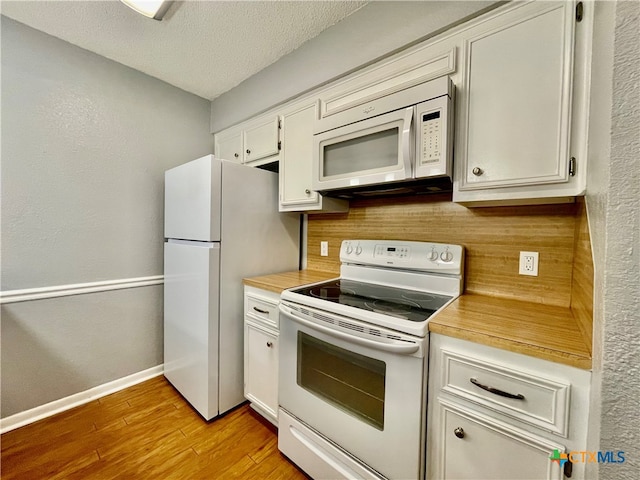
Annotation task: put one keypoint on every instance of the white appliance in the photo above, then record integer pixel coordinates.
(353, 360)
(387, 144)
(221, 224)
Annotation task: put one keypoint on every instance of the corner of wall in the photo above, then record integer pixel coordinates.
(582, 277)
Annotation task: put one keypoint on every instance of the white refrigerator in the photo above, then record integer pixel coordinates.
(221, 225)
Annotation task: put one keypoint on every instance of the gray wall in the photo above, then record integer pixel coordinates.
(85, 142)
(374, 31)
(613, 203)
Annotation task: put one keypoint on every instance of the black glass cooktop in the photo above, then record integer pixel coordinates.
(397, 302)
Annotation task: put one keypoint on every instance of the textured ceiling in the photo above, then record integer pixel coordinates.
(203, 47)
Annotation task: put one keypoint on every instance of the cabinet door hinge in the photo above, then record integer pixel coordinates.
(579, 11)
(572, 167)
(279, 124)
(279, 145)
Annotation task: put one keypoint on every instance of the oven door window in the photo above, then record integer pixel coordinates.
(350, 381)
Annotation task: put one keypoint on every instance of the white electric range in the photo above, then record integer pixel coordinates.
(353, 359)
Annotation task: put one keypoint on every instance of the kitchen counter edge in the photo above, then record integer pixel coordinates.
(541, 331)
(277, 282)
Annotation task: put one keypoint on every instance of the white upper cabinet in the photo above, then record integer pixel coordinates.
(388, 76)
(521, 74)
(296, 163)
(228, 146)
(515, 105)
(261, 140)
(254, 143)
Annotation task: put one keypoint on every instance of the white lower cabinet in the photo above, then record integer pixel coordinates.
(475, 447)
(261, 351)
(494, 414)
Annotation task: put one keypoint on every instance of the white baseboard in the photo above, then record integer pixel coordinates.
(48, 409)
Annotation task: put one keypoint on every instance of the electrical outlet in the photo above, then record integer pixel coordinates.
(324, 249)
(529, 263)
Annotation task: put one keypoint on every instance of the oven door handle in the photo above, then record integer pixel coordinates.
(392, 346)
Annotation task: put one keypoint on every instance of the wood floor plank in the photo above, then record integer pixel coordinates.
(147, 431)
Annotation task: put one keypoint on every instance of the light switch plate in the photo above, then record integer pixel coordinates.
(324, 249)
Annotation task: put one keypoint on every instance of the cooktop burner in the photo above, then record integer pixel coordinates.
(410, 305)
(330, 292)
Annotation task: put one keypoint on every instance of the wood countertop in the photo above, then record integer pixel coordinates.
(542, 331)
(278, 282)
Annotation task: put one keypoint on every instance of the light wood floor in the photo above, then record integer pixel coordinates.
(147, 431)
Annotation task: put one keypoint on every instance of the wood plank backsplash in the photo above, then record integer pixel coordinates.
(582, 282)
(492, 236)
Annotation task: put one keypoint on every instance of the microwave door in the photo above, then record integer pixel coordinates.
(369, 152)
(434, 128)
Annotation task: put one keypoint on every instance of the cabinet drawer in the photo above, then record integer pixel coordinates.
(535, 400)
(262, 310)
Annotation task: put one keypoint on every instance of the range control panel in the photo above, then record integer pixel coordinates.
(423, 256)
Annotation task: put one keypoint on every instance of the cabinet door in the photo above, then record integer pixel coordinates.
(296, 170)
(261, 368)
(516, 103)
(297, 152)
(261, 140)
(229, 147)
(472, 447)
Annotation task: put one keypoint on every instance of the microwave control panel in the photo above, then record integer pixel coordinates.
(431, 137)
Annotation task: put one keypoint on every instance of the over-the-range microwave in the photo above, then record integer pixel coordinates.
(396, 144)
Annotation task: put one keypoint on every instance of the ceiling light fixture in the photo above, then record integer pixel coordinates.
(151, 9)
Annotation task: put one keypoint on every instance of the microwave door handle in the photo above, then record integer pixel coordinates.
(406, 348)
(406, 140)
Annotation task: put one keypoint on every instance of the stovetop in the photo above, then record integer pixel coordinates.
(393, 284)
(411, 305)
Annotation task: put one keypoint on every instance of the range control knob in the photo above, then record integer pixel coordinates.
(349, 249)
(446, 256)
(358, 250)
(433, 255)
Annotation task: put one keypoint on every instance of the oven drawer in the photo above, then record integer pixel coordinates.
(519, 394)
(262, 310)
(317, 456)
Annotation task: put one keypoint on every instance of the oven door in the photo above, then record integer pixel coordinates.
(360, 386)
(368, 152)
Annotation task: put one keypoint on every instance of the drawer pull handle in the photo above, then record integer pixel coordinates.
(459, 432)
(495, 391)
(568, 467)
(259, 310)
